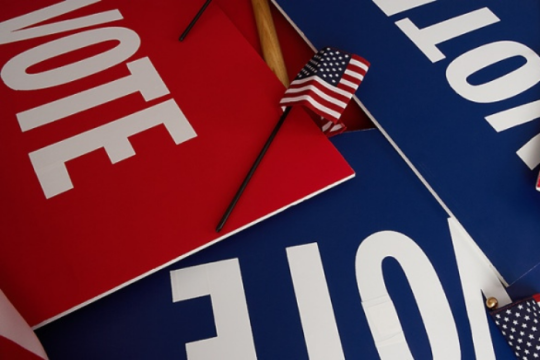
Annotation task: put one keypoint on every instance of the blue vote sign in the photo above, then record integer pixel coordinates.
(373, 269)
(455, 84)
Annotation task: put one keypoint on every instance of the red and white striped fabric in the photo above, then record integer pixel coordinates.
(15, 330)
(326, 85)
(538, 183)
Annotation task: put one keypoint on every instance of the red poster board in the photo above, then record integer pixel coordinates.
(153, 166)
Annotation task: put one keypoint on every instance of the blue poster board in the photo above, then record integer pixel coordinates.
(319, 261)
(455, 85)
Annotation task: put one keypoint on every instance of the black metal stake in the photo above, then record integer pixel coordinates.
(252, 170)
(184, 34)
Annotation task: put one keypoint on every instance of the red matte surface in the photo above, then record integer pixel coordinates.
(123, 220)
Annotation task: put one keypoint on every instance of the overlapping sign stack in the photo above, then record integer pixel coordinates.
(393, 264)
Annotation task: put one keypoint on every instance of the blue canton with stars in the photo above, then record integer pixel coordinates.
(328, 64)
(520, 325)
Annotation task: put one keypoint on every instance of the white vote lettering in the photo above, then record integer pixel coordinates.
(380, 311)
(392, 7)
(16, 77)
(502, 88)
(530, 152)
(428, 38)
(314, 303)
(221, 280)
(144, 79)
(518, 115)
(50, 162)
(19, 28)
(477, 277)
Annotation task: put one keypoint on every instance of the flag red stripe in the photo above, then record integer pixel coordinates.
(316, 98)
(314, 107)
(326, 90)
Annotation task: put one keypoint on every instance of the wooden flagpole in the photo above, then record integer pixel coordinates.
(269, 41)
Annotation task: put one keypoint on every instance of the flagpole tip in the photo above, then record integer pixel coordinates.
(492, 303)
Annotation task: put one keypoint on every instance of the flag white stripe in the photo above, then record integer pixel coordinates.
(359, 64)
(349, 84)
(354, 74)
(313, 102)
(323, 83)
(318, 92)
(327, 126)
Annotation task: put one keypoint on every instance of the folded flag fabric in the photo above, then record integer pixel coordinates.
(519, 322)
(14, 328)
(326, 85)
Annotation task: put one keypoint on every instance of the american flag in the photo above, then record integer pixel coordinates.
(326, 85)
(538, 183)
(519, 322)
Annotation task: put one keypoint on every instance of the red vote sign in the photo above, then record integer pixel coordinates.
(122, 147)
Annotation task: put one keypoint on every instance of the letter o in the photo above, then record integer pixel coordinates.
(502, 88)
(428, 292)
(14, 71)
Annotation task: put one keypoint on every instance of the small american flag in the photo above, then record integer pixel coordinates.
(538, 183)
(519, 322)
(326, 85)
